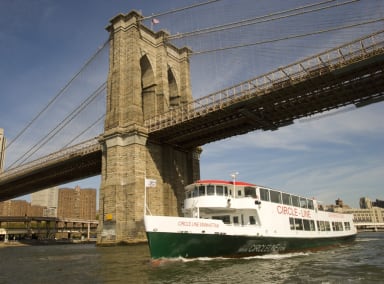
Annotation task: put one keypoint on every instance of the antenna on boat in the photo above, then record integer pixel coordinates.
(234, 175)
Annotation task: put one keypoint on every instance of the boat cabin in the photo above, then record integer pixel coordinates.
(239, 203)
(238, 190)
(235, 202)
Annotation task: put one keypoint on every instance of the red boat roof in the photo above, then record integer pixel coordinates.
(217, 181)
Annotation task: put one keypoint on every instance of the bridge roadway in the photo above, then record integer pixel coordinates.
(350, 74)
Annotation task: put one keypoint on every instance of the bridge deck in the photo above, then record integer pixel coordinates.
(74, 163)
(350, 74)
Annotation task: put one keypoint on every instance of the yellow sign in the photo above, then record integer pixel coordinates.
(108, 216)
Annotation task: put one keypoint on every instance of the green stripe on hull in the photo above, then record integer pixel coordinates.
(170, 245)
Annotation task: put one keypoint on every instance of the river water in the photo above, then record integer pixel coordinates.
(360, 262)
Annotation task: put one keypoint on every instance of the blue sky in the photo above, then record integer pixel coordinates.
(43, 43)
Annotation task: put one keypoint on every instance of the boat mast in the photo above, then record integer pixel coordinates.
(234, 175)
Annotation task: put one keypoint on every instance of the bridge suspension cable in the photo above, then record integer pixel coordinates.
(61, 92)
(49, 136)
(289, 37)
(294, 72)
(96, 122)
(180, 9)
(262, 19)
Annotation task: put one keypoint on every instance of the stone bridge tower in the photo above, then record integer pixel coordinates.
(147, 76)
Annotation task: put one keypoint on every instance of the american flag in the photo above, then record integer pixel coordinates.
(155, 21)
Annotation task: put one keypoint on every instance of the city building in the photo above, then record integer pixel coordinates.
(365, 203)
(48, 198)
(339, 206)
(378, 203)
(365, 217)
(77, 203)
(68, 203)
(20, 208)
(372, 215)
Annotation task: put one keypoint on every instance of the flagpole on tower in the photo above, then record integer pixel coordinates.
(145, 196)
(148, 183)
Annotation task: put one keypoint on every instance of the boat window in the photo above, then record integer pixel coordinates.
(195, 192)
(295, 200)
(307, 226)
(201, 190)
(321, 225)
(303, 202)
(347, 226)
(291, 223)
(264, 194)
(312, 224)
(210, 189)
(239, 193)
(310, 204)
(275, 196)
(250, 191)
(235, 220)
(225, 191)
(298, 224)
(337, 226)
(225, 218)
(286, 198)
(327, 225)
(219, 190)
(252, 220)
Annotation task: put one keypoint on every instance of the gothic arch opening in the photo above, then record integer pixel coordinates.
(174, 97)
(147, 88)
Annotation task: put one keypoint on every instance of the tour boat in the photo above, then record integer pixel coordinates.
(236, 219)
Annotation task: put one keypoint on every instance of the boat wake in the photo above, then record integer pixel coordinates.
(367, 239)
(162, 261)
(279, 256)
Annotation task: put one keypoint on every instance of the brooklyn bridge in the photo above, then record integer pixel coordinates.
(153, 127)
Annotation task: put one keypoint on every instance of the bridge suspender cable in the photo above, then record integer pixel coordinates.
(43, 141)
(58, 94)
(85, 130)
(88, 62)
(289, 37)
(70, 82)
(262, 19)
(180, 9)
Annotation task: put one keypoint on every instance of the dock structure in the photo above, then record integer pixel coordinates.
(21, 227)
